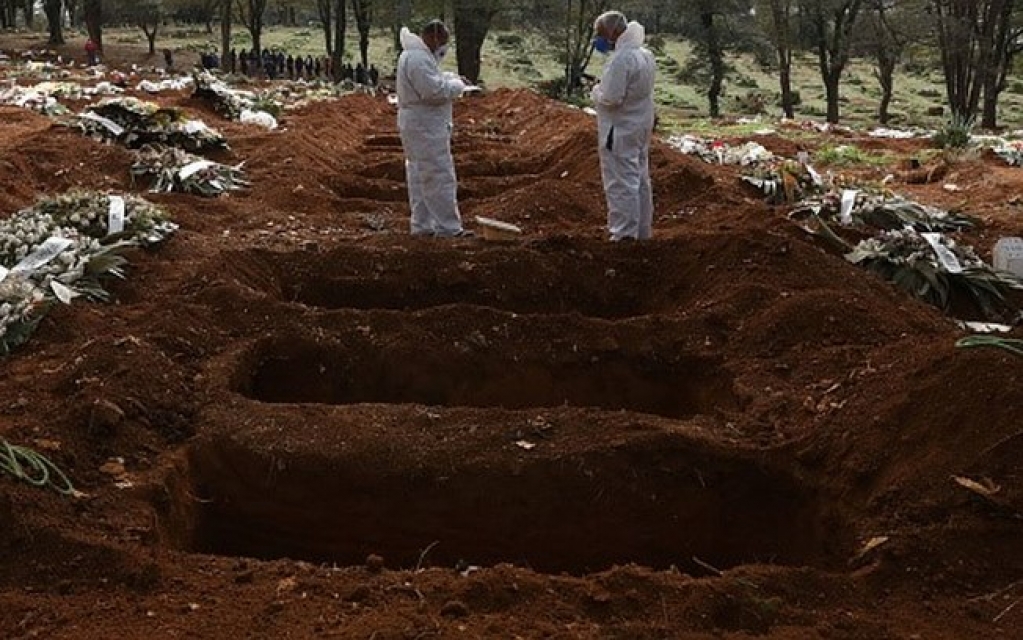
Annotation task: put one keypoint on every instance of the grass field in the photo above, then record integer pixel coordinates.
(518, 60)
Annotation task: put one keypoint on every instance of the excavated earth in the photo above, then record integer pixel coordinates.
(296, 421)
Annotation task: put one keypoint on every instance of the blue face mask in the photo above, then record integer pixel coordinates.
(602, 44)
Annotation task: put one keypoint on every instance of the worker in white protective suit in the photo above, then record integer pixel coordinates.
(424, 121)
(624, 100)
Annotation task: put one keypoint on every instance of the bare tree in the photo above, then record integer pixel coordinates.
(831, 25)
(210, 11)
(340, 22)
(251, 13)
(147, 14)
(28, 9)
(93, 10)
(361, 9)
(72, 12)
(54, 10)
(978, 42)
(780, 30)
(887, 29)
(472, 22)
(577, 21)
(8, 13)
(1008, 42)
(402, 16)
(325, 10)
(226, 14)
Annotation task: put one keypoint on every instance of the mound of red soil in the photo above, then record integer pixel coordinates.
(295, 420)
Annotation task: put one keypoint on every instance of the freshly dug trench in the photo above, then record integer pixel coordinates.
(597, 281)
(286, 371)
(654, 499)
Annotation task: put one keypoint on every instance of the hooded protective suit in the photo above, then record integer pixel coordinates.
(424, 121)
(624, 101)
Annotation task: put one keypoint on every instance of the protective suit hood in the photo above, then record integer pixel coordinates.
(411, 42)
(633, 36)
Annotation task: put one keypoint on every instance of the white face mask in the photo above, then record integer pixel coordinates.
(441, 52)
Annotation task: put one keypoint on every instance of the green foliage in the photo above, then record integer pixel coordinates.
(509, 41)
(797, 98)
(955, 133)
(656, 44)
(752, 103)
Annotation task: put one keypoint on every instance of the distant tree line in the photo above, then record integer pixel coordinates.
(974, 42)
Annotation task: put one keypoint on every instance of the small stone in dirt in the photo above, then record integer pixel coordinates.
(246, 577)
(113, 467)
(359, 594)
(105, 415)
(454, 609)
(275, 607)
(374, 563)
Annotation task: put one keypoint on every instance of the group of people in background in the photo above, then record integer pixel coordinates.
(276, 65)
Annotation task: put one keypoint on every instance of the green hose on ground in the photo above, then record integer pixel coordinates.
(34, 468)
(1015, 345)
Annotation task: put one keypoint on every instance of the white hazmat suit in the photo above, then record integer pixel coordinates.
(424, 121)
(624, 101)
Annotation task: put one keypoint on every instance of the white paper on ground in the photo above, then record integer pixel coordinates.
(115, 216)
(111, 126)
(816, 177)
(45, 252)
(945, 256)
(192, 168)
(261, 118)
(63, 292)
(3, 273)
(984, 327)
(848, 201)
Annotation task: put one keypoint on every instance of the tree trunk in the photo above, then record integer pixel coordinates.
(28, 8)
(989, 112)
(151, 36)
(54, 10)
(886, 78)
(785, 80)
(402, 15)
(471, 25)
(780, 15)
(325, 9)
(72, 12)
(717, 62)
(362, 21)
(93, 10)
(831, 92)
(340, 20)
(225, 35)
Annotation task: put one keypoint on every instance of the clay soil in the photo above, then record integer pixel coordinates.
(296, 421)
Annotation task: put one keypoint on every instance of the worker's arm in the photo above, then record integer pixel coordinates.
(431, 84)
(610, 93)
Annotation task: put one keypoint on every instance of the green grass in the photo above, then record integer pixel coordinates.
(845, 155)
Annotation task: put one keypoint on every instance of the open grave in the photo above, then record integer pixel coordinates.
(727, 431)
